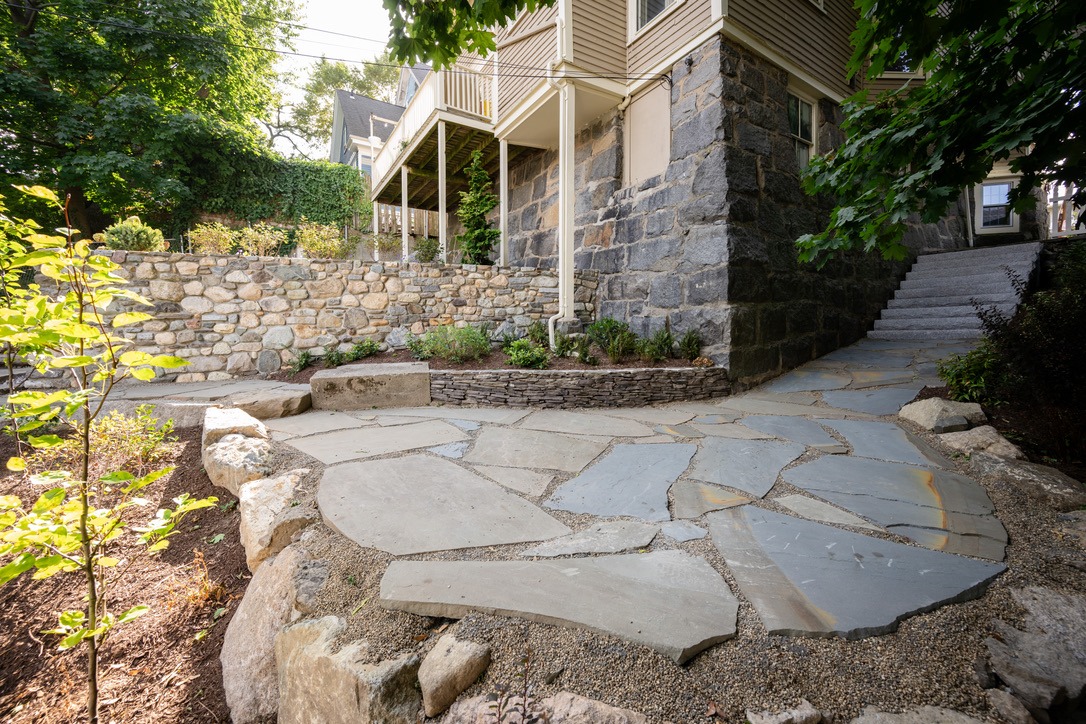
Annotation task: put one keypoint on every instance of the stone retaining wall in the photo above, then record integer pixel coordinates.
(577, 388)
(232, 316)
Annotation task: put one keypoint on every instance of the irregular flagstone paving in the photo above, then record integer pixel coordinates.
(807, 380)
(748, 465)
(579, 423)
(523, 481)
(796, 429)
(886, 441)
(669, 601)
(809, 579)
(510, 447)
(682, 530)
(632, 480)
(936, 508)
(610, 537)
(885, 401)
(418, 503)
(352, 444)
(692, 499)
(821, 511)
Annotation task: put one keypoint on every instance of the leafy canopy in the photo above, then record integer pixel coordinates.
(438, 32)
(312, 117)
(1005, 83)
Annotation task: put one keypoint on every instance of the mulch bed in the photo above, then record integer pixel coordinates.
(153, 669)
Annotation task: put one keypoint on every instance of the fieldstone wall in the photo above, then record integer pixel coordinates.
(578, 388)
(709, 244)
(232, 316)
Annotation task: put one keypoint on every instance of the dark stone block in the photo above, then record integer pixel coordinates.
(705, 246)
(660, 222)
(744, 326)
(707, 287)
(748, 284)
(796, 351)
(703, 209)
(802, 318)
(772, 324)
(629, 230)
(746, 244)
(665, 291)
(742, 171)
(656, 254)
(754, 139)
(753, 361)
(607, 261)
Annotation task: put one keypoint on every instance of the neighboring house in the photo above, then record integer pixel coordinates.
(660, 143)
(411, 78)
(360, 127)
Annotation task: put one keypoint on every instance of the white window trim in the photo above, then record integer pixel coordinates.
(820, 4)
(633, 32)
(978, 208)
(809, 100)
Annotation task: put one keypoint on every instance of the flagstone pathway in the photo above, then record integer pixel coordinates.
(831, 519)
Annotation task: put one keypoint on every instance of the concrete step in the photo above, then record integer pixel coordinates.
(1022, 268)
(952, 300)
(910, 334)
(989, 256)
(969, 322)
(948, 288)
(963, 310)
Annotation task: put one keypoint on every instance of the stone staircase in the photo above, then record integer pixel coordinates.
(936, 299)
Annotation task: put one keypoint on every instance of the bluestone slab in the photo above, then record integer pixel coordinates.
(886, 441)
(669, 601)
(748, 465)
(808, 380)
(631, 481)
(613, 536)
(878, 378)
(796, 429)
(312, 423)
(523, 481)
(580, 423)
(417, 504)
(682, 530)
(692, 499)
(342, 445)
(821, 511)
(513, 448)
(885, 401)
(808, 579)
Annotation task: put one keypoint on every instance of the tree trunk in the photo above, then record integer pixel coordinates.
(77, 211)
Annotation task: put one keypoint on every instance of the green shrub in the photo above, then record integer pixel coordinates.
(602, 331)
(361, 350)
(622, 345)
(453, 344)
(583, 347)
(537, 333)
(303, 360)
(507, 340)
(333, 357)
(475, 204)
(261, 240)
(563, 344)
(426, 249)
(321, 241)
(133, 235)
(656, 348)
(212, 239)
(972, 377)
(526, 353)
(690, 345)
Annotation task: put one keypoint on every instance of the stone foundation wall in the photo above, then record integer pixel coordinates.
(709, 244)
(233, 316)
(577, 388)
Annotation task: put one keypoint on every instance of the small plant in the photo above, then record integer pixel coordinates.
(526, 353)
(563, 344)
(971, 377)
(656, 348)
(479, 237)
(212, 239)
(690, 345)
(602, 331)
(261, 240)
(321, 241)
(362, 350)
(333, 357)
(303, 360)
(132, 235)
(583, 348)
(388, 245)
(516, 707)
(622, 345)
(507, 340)
(426, 249)
(453, 344)
(537, 332)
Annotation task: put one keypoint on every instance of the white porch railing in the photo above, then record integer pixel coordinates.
(459, 90)
(1062, 213)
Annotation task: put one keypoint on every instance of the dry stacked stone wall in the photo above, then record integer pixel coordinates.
(577, 388)
(235, 316)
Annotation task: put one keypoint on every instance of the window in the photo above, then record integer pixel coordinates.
(412, 86)
(649, 9)
(801, 128)
(995, 209)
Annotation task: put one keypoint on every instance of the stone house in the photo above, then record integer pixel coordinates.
(660, 142)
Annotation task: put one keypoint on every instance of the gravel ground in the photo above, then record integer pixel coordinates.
(928, 661)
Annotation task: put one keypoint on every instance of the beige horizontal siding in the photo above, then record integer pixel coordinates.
(599, 36)
(884, 83)
(669, 35)
(522, 64)
(815, 40)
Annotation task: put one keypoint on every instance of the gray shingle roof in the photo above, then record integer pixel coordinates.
(357, 110)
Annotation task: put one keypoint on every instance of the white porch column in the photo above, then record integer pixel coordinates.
(376, 230)
(503, 193)
(405, 220)
(442, 212)
(567, 137)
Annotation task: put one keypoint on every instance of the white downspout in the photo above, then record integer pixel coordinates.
(567, 119)
(969, 214)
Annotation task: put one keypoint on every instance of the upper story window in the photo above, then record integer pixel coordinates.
(801, 122)
(995, 210)
(647, 10)
(412, 86)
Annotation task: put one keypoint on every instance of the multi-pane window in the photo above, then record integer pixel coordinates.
(801, 128)
(995, 210)
(649, 9)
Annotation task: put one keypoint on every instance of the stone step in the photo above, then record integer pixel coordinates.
(952, 300)
(366, 386)
(1021, 268)
(1025, 249)
(911, 334)
(952, 288)
(963, 310)
(990, 257)
(965, 322)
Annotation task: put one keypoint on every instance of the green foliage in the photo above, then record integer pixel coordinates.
(1071, 265)
(212, 239)
(972, 377)
(438, 32)
(79, 519)
(656, 348)
(479, 237)
(261, 240)
(621, 345)
(583, 348)
(312, 117)
(388, 245)
(333, 357)
(690, 345)
(361, 350)
(321, 241)
(526, 353)
(603, 330)
(537, 333)
(563, 344)
(132, 235)
(452, 344)
(301, 361)
(1002, 77)
(426, 249)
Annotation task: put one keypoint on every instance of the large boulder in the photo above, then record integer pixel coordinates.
(267, 404)
(1041, 482)
(450, 668)
(235, 460)
(320, 686)
(270, 515)
(939, 415)
(982, 439)
(222, 421)
(249, 676)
